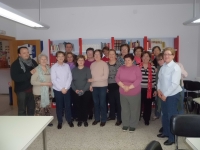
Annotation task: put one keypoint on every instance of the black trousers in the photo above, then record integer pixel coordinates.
(146, 104)
(90, 104)
(115, 106)
(26, 103)
(81, 103)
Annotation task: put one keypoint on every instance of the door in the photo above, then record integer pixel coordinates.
(34, 47)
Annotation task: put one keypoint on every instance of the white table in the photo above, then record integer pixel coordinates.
(197, 100)
(194, 143)
(18, 132)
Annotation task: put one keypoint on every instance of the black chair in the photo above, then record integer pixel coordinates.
(185, 125)
(154, 145)
(189, 104)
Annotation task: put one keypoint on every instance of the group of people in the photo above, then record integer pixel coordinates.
(129, 83)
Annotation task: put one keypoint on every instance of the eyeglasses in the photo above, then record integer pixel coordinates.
(168, 54)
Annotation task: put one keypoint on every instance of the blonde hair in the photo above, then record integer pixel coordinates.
(170, 49)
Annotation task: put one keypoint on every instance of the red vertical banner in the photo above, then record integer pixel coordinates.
(145, 43)
(112, 42)
(50, 53)
(80, 45)
(176, 47)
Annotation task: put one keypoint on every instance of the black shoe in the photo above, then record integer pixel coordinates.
(118, 123)
(146, 123)
(161, 130)
(90, 117)
(59, 125)
(79, 124)
(95, 122)
(161, 135)
(102, 124)
(71, 124)
(85, 123)
(168, 142)
(110, 119)
(50, 124)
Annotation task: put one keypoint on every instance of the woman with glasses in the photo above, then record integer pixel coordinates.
(169, 91)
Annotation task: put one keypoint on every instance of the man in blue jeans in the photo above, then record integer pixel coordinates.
(61, 78)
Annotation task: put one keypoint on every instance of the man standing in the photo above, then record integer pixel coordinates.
(69, 48)
(21, 71)
(61, 78)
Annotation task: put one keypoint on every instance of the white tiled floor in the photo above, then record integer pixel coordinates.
(92, 137)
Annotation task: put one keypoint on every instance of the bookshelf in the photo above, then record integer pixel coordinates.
(80, 45)
(149, 43)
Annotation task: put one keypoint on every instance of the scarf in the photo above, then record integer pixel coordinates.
(149, 86)
(137, 60)
(44, 89)
(28, 62)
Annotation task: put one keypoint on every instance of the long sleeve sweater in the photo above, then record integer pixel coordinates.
(99, 71)
(128, 76)
(80, 79)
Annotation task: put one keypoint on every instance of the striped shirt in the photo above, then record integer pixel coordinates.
(145, 74)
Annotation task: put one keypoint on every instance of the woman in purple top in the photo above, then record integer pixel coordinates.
(129, 78)
(69, 59)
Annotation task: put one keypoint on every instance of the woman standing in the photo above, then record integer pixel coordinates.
(41, 81)
(129, 78)
(124, 49)
(113, 88)
(169, 90)
(69, 59)
(148, 85)
(80, 90)
(156, 51)
(99, 71)
(137, 55)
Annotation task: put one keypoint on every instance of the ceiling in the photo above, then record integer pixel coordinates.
(34, 4)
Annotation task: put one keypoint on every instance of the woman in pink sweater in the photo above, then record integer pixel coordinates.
(129, 78)
(99, 70)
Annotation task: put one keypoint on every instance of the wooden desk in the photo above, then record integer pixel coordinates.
(18, 132)
(194, 143)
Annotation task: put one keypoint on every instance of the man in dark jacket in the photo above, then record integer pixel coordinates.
(21, 71)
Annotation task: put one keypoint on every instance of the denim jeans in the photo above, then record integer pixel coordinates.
(169, 108)
(63, 102)
(99, 98)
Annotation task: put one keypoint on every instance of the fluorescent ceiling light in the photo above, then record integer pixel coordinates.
(14, 15)
(193, 21)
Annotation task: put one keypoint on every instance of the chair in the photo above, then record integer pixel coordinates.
(185, 125)
(154, 145)
(189, 104)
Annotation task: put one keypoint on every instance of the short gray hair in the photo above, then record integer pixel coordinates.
(42, 55)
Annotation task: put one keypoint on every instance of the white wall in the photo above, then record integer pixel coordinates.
(8, 26)
(120, 22)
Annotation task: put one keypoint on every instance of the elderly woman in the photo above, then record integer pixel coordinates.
(124, 49)
(113, 88)
(129, 78)
(137, 55)
(148, 85)
(80, 90)
(169, 90)
(41, 81)
(99, 71)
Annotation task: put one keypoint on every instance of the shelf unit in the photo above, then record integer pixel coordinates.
(80, 45)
